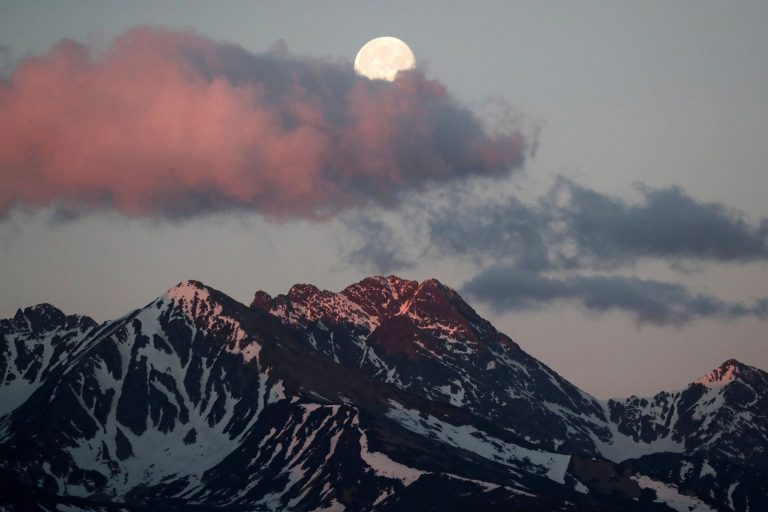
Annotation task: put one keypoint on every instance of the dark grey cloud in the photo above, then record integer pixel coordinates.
(378, 245)
(666, 224)
(576, 228)
(648, 301)
(508, 231)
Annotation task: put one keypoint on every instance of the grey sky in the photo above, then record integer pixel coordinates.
(658, 93)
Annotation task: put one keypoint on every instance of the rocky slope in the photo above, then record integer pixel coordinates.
(390, 395)
(710, 438)
(423, 338)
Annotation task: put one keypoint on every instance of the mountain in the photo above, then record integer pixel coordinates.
(389, 395)
(423, 338)
(709, 438)
(32, 345)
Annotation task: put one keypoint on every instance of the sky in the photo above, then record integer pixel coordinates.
(590, 176)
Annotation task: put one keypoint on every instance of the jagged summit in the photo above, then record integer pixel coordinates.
(192, 294)
(39, 316)
(733, 371)
(375, 298)
(45, 316)
(724, 374)
(185, 287)
(261, 300)
(381, 296)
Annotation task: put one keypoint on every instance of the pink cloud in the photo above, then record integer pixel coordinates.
(166, 123)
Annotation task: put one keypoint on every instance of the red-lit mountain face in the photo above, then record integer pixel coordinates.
(423, 338)
(390, 395)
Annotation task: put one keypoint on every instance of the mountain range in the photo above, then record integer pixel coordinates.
(389, 395)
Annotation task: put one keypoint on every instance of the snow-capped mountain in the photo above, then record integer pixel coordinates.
(32, 345)
(710, 438)
(423, 338)
(719, 414)
(390, 395)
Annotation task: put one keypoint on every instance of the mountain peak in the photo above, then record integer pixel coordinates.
(432, 285)
(261, 300)
(40, 316)
(392, 285)
(192, 296)
(302, 292)
(432, 282)
(380, 297)
(45, 317)
(184, 286)
(723, 374)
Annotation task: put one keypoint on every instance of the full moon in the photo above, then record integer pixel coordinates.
(383, 57)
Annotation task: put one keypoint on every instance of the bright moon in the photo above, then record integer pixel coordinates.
(383, 57)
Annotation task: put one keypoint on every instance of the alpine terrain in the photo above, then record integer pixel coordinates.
(389, 395)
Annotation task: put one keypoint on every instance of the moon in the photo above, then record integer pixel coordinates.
(383, 57)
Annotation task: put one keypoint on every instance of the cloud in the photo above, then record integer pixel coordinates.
(506, 231)
(576, 228)
(378, 245)
(173, 124)
(667, 224)
(648, 301)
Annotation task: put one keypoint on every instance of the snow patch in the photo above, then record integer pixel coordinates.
(382, 465)
(580, 487)
(276, 392)
(670, 495)
(621, 447)
(730, 494)
(706, 469)
(250, 351)
(467, 437)
(333, 506)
